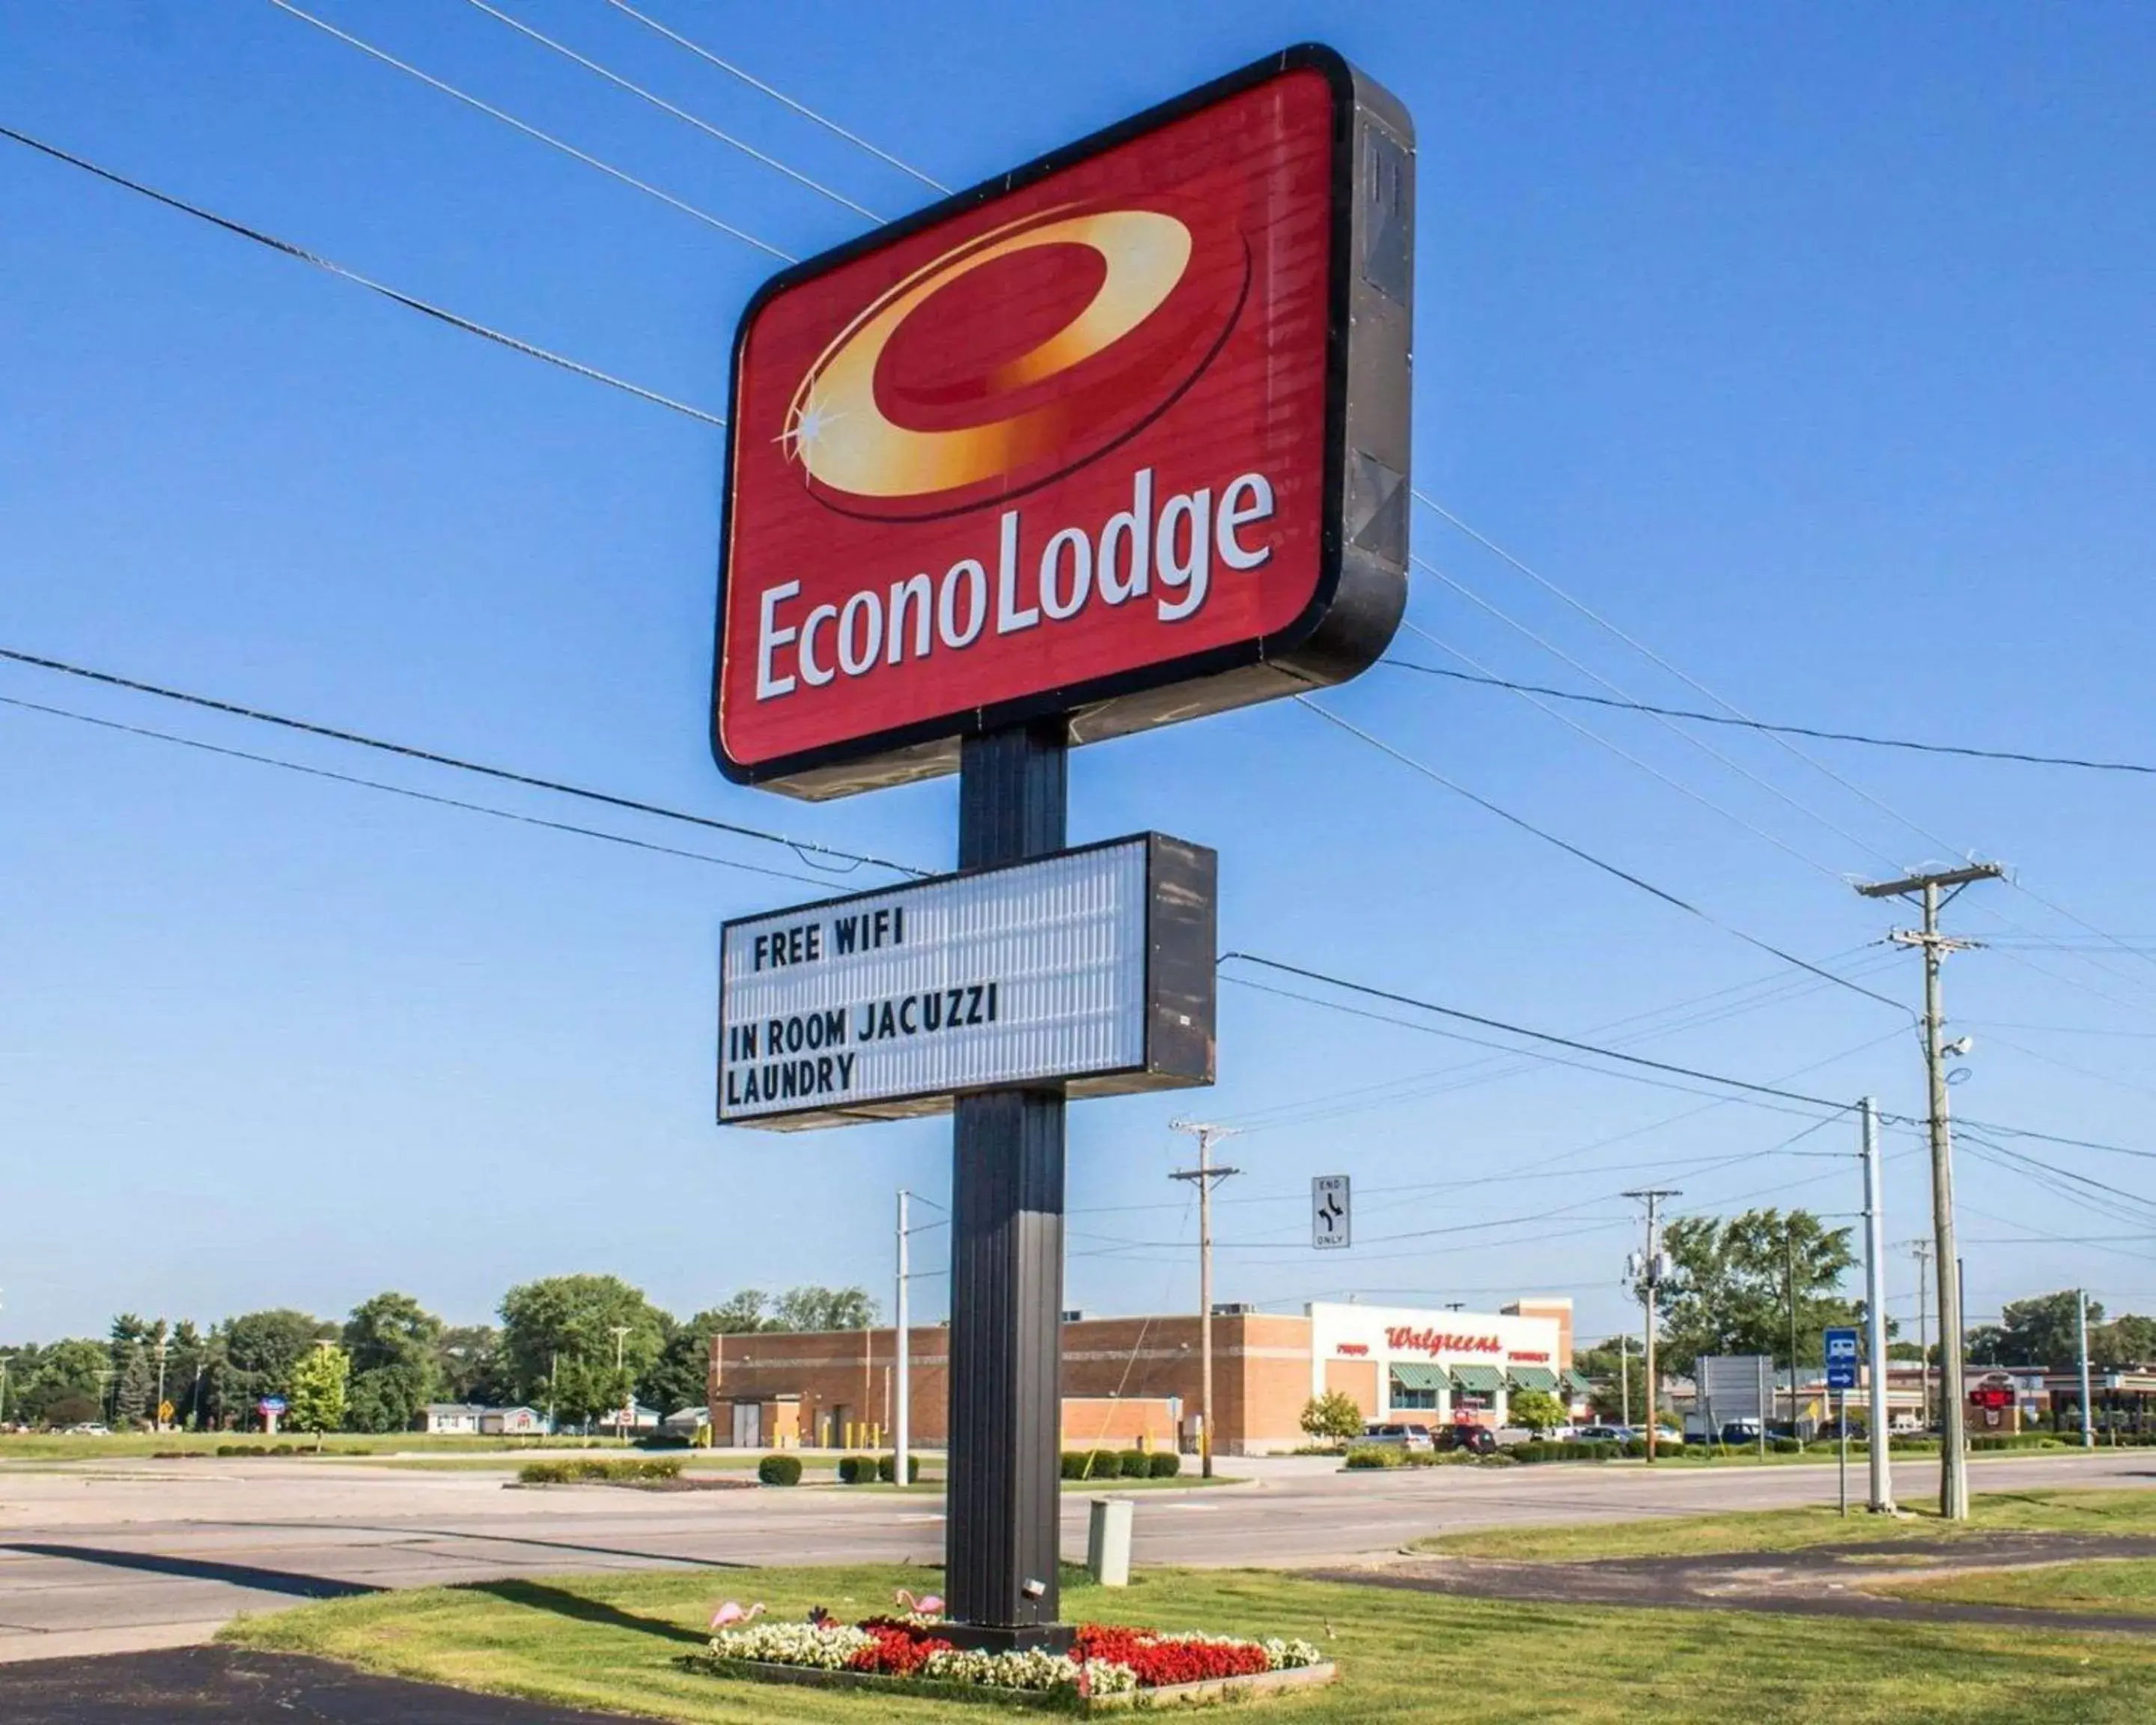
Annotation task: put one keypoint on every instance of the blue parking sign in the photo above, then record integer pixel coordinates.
(1842, 1353)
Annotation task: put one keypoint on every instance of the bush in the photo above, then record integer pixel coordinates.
(779, 1470)
(857, 1470)
(1376, 1456)
(1501, 1458)
(1135, 1464)
(1163, 1465)
(1565, 1450)
(887, 1469)
(1787, 1446)
(592, 1470)
(1333, 1415)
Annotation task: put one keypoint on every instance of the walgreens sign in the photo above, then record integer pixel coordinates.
(1079, 444)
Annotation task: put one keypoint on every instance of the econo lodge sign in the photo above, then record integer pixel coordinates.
(1078, 443)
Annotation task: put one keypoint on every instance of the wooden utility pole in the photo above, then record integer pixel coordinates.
(1927, 888)
(1650, 1279)
(1207, 1176)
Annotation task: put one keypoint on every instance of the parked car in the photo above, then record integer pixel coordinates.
(1475, 1440)
(89, 1429)
(1740, 1431)
(1604, 1433)
(1397, 1436)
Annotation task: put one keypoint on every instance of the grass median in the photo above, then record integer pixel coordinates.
(615, 1641)
(2124, 1587)
(2056, 1512)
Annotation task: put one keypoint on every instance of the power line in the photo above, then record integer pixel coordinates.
(1590, 858)
(1626, 755)
(398, 790)
(547, 138)
(286, 248)
(802, 848)
(682, 114)
(1550, 1037)
(1815, 732)
(777, 96)
(1722, 702)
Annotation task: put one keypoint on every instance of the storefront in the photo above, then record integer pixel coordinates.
(1444, 1368)
(1128, 1379)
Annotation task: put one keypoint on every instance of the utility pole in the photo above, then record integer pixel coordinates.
(1875, 1317)
(1953, 1460)
(1652, 1269)
(2088, 1414)
(1624, 1380)
(1207, 1176)
(1921, 1249)
(620, 1336)
(1790, 1288)
(903, 1424)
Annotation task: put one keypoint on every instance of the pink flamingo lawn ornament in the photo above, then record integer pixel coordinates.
(732, 1613)
(927, 1605)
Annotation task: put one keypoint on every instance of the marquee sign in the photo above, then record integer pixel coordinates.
(1081, 442)
(1091, 969)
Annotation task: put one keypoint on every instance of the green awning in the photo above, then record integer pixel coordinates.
(1412, 1376)
(1480, 1380)
(1532, 1377)
(1577, 1381)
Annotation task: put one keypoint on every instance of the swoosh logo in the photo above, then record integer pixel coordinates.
(948, 393)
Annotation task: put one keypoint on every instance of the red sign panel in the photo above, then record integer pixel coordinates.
(1081, 443)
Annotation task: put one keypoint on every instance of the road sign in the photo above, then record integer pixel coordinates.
(1092, 966)
(1842, 1354)
(1329, 1202)
(271, 1404)
(1121, 434)
(165, 1413)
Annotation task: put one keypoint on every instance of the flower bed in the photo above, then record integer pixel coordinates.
(1105, 1660)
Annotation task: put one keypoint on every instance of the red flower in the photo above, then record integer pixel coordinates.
(899, 1650)
(1159, 1660)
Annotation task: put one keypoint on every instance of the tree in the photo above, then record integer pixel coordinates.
(469, 1360)
(1332, 1415)
(395, 1346)
(818, 1308)
(1537, 1409)
(1735, 1278)
(52, 1385)
(258, 1351)
(681, 1378)
(559, 1341)
(2045, 1331)
(1612, 1397)
(318, 1391)
(2128, 1340)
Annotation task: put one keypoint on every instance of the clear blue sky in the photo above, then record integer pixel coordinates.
(1810, 345)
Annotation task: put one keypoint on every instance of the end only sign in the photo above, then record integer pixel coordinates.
(1842, 1353)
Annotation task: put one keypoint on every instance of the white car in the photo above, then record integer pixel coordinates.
(1398, 1435)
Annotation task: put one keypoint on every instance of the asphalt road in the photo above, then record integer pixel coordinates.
(105, 1558)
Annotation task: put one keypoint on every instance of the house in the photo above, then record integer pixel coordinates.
(453, 1418)
(512, 1422)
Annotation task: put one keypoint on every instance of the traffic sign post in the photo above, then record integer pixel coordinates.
(1841, 1349)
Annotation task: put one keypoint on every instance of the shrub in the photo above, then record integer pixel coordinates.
(1073, 1464)
(1501, 1458)
(887, 1469)
(593, 1470)
(1163, 1465)
(1376, 1456)
(1333, 1415)
(1788, 1446)
(779, 1470)
(1564, 1449)
(857, 1470)
(1135, 1464)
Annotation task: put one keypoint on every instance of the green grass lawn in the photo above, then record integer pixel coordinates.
(134, 1445)
(2074, 1512)
(613, 1641)
(2126, 1586)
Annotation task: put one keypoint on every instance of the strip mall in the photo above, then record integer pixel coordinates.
(1131, 1378)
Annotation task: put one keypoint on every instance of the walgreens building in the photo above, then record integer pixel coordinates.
(1131, 1378)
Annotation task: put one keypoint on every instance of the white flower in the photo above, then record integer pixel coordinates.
(1286, 1655)
(791, 1643)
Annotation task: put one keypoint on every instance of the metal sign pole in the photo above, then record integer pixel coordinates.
(1841, 1420)
(1000, 1544)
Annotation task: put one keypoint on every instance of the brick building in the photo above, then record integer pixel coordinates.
(1125, 1377)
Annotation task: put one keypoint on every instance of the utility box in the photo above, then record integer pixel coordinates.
(1108, 1542)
